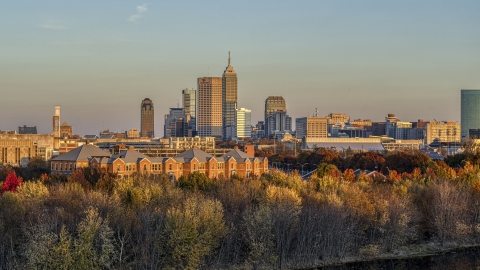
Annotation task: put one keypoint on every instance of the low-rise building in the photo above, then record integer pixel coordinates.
(128, 162)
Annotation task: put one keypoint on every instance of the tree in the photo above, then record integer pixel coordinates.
(12, 182)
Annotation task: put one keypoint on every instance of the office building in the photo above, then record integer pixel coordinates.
(209, 114)
(229, 98)
(27, 130)
(132, 133)
(189, 99)
(243, 122)
(470, 111)
(276, 105)
(147, 127)
(335, 118)
(442, 132)
(176, 123)
(311, 127)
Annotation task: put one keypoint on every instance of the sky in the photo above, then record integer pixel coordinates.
(99, 59)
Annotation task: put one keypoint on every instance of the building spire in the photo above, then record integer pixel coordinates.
(229, 58)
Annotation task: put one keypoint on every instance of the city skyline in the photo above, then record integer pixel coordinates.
(368, 59)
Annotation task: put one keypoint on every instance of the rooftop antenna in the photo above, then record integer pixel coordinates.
(178, 103)
(229, 58)
(316, 112)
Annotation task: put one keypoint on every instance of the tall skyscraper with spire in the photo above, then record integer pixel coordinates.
(229, 98)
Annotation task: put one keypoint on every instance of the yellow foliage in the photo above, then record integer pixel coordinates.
(33, 190)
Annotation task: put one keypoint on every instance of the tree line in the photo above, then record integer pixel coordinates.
(94, 220)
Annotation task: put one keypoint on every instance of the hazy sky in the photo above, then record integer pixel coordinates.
(99, 59)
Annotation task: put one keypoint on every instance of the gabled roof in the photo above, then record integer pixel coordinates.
(129, 156)
(237, 155)
(82, 153)
(188, 155)
(91, 137)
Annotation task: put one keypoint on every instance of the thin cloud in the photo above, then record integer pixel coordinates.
(140, 11)
(53, 26)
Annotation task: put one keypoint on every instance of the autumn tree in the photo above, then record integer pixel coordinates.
(12, 182)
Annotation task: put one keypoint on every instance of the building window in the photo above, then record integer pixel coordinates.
(71, 167)
(170, 167)
(118, 167)
(144, 167)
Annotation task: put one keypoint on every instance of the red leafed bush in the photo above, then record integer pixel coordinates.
(12, 182)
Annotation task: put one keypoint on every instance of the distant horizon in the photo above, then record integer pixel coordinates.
(99, 60)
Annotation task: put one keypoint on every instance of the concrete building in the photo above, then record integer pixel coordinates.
(66, 131)
(27, 130)
(442, 132)
(229, 98)
(132, 133)
(189, 101)
(209, 115)
(147, 119)
(469, 111)
(274, 104)
(17, 149)
(335, 118)
(311, 127)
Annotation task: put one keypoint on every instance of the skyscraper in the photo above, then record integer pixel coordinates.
(209, 115)
(280, 121)
(147, 119)
(189, 99)
(176, 123)
(470, 111)
(229, 98)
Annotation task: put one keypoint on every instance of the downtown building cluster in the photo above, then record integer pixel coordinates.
(211, 113)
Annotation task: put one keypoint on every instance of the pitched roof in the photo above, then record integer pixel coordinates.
(82, 153)
(200, 155)
(129, 156)
(237, 155)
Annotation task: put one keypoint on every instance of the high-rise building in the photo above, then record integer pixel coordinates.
(274, 104)
(56, 127)
(243, 121)
(229, 98)
(311, 127)
(209, 115)
(147, 127)
(189, 99)
(470, 111)
(176, 123)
